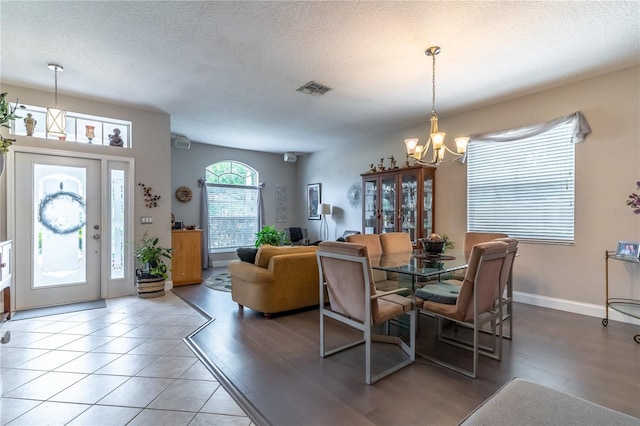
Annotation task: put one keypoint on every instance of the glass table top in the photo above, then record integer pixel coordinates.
(419, 263)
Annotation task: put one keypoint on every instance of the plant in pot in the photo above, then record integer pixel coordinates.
(7, 115)
(269, 235)
(153, 269)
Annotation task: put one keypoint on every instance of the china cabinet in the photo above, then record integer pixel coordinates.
(399, 200)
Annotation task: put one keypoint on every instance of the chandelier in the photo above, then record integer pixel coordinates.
(436, 137)
(56, 118)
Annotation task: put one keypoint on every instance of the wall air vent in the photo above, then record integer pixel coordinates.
(313, 88)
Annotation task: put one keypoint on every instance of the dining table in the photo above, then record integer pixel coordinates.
(418, 266)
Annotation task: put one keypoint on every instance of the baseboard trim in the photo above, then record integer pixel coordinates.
(588, 309)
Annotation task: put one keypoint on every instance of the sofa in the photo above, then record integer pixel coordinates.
(281, 279)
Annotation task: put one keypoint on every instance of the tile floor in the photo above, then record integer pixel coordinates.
(125, 364)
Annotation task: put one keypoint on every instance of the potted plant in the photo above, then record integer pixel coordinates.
(269, 235)
(7, 114)
(152, 273)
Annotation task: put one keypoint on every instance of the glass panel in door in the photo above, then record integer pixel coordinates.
(370, 200)
(409, 206)
(388, 199)
(427, 204)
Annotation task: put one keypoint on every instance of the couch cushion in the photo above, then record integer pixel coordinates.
(266, 252)
(247, 254)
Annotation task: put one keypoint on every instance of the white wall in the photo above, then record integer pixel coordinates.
(607, 167)
(151, 141)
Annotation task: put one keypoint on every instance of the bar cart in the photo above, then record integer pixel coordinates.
(630, 307)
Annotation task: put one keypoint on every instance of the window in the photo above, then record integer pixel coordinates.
(232, 195)
(524, 186)
(81, 128)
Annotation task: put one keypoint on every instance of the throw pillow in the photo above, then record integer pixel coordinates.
(247, 254)
(296, 234)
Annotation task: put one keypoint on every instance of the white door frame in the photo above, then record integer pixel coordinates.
(108, 288)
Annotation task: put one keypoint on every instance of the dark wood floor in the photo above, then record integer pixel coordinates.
(275, 367)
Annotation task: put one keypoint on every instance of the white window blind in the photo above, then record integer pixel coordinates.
(524, 188)
(233, 216)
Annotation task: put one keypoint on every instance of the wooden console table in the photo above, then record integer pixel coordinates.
(186, 264)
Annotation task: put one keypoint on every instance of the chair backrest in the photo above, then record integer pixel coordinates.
(512, 249)
(482, 277)
(371, 241)
(395, 242)
(347, 273)
(473, 238)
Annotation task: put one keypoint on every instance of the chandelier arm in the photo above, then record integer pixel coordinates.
(453, 152)
(425, 149)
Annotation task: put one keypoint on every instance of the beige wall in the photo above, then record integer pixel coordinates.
(607, 167)
(150, 148)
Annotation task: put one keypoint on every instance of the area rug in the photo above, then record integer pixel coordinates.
(57, 310)
(220, 282)
(521, 402)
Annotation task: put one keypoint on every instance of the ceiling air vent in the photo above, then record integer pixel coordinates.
(313, 88)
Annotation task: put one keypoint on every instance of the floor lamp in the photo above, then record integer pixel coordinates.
(325, 210)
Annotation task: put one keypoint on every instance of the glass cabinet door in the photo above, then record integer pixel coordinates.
(427, 204)
(370, 207)
(388, 199)
(408, 209)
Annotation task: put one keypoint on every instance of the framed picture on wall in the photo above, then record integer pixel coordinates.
(630, 249)
(313, 201)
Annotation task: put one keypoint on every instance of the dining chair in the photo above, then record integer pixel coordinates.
(395, 242)
(383, 280)
(346, 272)
(506, 284)
(477, 304)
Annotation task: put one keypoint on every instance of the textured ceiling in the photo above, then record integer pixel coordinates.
(227, 72)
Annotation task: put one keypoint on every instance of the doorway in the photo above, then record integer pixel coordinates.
(68, 244)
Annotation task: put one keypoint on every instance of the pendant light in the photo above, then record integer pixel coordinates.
(56, 118)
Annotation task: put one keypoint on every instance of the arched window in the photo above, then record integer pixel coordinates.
(232, 191)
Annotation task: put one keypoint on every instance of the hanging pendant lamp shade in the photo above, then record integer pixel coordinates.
(56, 117)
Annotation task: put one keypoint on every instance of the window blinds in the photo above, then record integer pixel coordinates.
(524, 188)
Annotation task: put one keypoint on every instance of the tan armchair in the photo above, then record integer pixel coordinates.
(353, 300)
(395, 242)
(383, 281)
(477, 304)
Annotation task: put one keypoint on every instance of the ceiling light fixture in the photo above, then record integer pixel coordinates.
(56, 118)
(436, 137)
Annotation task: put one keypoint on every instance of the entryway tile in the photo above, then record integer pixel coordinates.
(11, 408)
(222, 403)
(89, 390)
(50, 361)
(45, 386)
(127, 365)
(136, 392)
(88, 363)
(99, 415)
(198, 372)
(120, 345)
(50, 413)
(168, 367)
(186, 395)
(162, 418)
(203, 419)
(13, 378)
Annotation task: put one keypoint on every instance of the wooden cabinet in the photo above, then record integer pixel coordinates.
(5, 280)
(186, 263)
(399, 200)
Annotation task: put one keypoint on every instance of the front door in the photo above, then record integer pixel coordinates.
(58, 230)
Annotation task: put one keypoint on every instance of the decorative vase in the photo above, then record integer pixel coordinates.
(90, 132)
(149, 286)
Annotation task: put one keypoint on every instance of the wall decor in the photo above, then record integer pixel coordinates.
(354, 194)
(150, 200)
(630, 249)
(281, 203)
(313, 201)
(184, 194)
